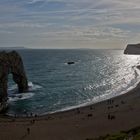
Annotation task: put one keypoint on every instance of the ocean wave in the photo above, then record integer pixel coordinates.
(13, 94)
(32, 87)
(22, 96)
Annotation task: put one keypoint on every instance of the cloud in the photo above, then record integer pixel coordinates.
(73, 20)
(21, 25)
(35, 1)
(89, 34)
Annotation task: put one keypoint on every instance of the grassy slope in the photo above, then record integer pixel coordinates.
(124, 135)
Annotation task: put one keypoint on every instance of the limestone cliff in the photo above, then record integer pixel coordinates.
(11, 62)
(132, 49)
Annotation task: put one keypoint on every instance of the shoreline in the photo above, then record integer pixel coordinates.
(123, 94)
(87, 104)
(106, 117)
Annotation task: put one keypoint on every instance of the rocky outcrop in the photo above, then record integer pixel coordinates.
(132, 49)
(11, 62)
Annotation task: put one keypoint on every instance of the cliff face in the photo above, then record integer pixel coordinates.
(11, 62)
(132, 49)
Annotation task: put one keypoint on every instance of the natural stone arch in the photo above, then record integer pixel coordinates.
(11, 62)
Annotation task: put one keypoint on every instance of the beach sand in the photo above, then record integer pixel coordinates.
(106, 117)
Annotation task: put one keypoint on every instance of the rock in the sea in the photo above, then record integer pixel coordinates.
(70, 62)
(132, 49)
(11, 62)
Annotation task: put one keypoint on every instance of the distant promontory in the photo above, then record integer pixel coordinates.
(132, 49)
(13, 48)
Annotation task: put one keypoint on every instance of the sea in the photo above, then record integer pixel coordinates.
(55, 85)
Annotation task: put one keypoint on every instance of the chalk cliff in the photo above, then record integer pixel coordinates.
(11, 62)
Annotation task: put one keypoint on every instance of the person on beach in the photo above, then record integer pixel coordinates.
(28, 130)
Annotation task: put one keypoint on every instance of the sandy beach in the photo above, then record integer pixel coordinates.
(106, 117)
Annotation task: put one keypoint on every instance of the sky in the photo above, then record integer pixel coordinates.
(69, 23)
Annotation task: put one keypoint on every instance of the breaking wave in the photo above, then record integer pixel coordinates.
(13, 94)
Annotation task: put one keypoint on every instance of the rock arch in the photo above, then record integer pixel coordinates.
(11, 62)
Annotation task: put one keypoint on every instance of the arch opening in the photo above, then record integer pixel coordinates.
(11, 63)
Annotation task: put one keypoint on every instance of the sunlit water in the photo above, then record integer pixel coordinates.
(56, 86)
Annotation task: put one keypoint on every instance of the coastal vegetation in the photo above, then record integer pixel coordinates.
(132, 134)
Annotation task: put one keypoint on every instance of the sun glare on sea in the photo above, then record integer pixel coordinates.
(133, 58)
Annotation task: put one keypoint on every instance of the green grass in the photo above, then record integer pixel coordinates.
(137, 137)
(124, 135)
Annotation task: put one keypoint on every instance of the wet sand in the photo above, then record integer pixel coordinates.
(106, 117)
